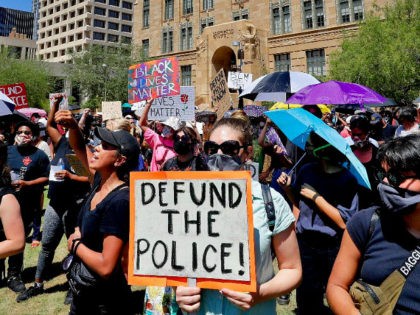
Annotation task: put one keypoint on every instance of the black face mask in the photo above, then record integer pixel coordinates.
(181, 147)
(398, 201)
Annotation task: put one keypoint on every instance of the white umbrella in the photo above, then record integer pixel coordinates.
(274, 86)
(7, 106)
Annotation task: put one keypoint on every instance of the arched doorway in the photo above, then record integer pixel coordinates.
(224, 57)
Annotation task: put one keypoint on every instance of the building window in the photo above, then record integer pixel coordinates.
(315, 61)
(358, 10)
(145, 47)
(276, 20)
(125, 40)
(113, 26)
(319, 8)
(113, 38)
(186, 79)
(281, 19)
(99, 11)
(208, 4)
(98, 23)
(209, 21)
(344, 11)
(307, 12)
(115, 3)
(240, 15)
(282, 62)
(98, 36)
(187, 7)
(100, 1)
(127, 5)
(146, 13)
(126, 28)
(186, 40)
(126, 16)
(113, 14)
(287, 23)
(169, 9)
(167, 41)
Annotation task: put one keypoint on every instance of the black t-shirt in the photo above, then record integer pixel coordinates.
(65, 193)
(388, 247)
(110, 217)
(197, 163)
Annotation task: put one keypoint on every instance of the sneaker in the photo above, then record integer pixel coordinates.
(283, 299)
(69, 298)
(16, 284)
(30, 292)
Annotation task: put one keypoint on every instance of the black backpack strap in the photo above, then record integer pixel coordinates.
(269, 205)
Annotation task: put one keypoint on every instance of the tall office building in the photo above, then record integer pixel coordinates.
(21, 21)
(66, 26)
(35, 11)
(255, 37)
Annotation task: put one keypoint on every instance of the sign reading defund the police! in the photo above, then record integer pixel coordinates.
(192, 225)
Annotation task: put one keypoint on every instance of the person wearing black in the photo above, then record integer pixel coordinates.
(66, 191)
(185, 142)
(99, 242)
(29, 169)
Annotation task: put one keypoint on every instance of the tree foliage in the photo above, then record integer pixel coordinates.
(101, 72)
(385, 53)
(36, 77)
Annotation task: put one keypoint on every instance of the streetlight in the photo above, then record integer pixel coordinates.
(241, 56)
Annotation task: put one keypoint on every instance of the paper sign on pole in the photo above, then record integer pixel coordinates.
(111, 110)
(17, 93)
(220, 94)
(155, 79)
(64, 104)
(192, 225)
(238, 80)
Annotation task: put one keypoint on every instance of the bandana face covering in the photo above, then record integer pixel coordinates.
(23, 140)
(223, 162)
(398, 201)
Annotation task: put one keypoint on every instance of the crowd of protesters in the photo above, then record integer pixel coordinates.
(324, 235)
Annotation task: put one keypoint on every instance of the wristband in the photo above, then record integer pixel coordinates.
(315, 196)
(76, 247)
(73, 242)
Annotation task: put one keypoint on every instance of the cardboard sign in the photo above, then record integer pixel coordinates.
(77, 166)
(239, 80)
(254, 168)
(111, 110)
(64, 104)
(220, 94)
(192, 225)
(155, 79)
(17, 93)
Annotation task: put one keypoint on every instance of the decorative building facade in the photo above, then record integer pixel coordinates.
(67, 26)
(206, 35)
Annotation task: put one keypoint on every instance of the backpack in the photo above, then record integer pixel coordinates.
(269, 205)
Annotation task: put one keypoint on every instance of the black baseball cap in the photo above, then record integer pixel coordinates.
(123, 140)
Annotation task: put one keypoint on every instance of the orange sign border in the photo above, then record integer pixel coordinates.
(245, 286)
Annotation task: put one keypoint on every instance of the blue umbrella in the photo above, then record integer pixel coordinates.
(7, 106)
(298, 123)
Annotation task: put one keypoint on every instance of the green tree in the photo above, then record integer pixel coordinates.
(36, 78)
(385, 52)
(102, 72)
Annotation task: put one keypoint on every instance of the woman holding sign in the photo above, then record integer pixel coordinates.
(96, 275)
(228, 148)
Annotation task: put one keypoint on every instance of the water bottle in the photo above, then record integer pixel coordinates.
(60, 167)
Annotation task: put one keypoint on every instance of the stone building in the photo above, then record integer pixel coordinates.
(267, 35)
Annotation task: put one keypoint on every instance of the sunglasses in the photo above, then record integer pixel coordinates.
(230, 147)
(26, 132)
(394, 179)
(183, 138)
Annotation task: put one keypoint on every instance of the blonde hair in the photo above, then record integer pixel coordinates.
(237, 124)
(118, 124)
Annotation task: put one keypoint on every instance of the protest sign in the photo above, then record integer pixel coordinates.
(17, 93)
(111, 110)
(180, 106)
(77, 166)
(238, 80)
(155, 79)
(64, 104)
(192, 225)
(220, 94)
(254, 168)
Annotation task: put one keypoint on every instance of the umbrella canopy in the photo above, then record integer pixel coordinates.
(279, 105)
(126, 105)
(203, 115)
(7, 106)
(336, 93)
(274, 86)
(389, 102)
(297, 124)
(29, 111)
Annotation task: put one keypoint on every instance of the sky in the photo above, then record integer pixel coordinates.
(24, 5)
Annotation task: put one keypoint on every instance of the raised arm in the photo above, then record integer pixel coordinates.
(144, 116)
(51, 123)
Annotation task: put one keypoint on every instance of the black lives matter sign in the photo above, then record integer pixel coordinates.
(195, 228)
